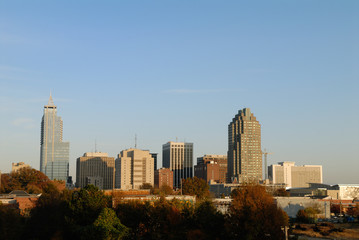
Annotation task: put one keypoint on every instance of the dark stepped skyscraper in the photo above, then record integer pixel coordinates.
(54, 153)
(244, 148)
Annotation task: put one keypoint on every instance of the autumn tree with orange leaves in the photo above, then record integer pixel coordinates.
(254, 215)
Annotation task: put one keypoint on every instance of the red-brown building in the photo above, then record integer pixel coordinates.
(163, 176)
(212, 167)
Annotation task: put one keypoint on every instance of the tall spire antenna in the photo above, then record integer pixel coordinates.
(135, 140)
(51, 102)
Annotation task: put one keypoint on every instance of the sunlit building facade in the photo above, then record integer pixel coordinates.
(54, 153)
(178, 157)
(244, 148)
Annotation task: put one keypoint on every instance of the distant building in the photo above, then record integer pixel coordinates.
(244, 148)
(295, 176)
(178, 157)
(21, 200)
(163, 176)
(96, 181)
(154, 155)
(134, 167)
(95, 165)
(291, 205)
(54, 155)
(212, 167)
(17, 166)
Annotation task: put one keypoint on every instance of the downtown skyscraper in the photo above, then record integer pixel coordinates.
(54, 153)
(244, 148)
(178, 157)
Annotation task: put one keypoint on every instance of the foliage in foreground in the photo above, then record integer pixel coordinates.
(88, 214)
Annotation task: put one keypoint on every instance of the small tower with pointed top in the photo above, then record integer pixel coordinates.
(54, 153)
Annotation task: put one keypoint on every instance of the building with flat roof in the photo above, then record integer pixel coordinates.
(212, 167)
(295, 176)
(163, 176)
(134, 167)
(95, 168)
(244, 148)
(54, 153)
(178, 157)
(17, 166)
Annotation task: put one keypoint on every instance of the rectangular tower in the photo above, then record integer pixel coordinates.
(178, 157)
(134, 167)
(244, 148)
(54, 153)
(95, 167)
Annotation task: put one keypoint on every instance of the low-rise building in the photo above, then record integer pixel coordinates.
(17, 166)
(295, 176)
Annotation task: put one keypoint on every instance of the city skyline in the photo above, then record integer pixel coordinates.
(168, 70)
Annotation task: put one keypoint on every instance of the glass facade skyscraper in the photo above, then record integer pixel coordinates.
(54, 153)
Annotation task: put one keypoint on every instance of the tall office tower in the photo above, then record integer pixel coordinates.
(295, 176)
(244, 148)
(178, 157)
(54, 153)
(134, 167)
(95, 168)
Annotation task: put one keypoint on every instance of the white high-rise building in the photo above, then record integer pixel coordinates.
(178, 157)
(134, 167)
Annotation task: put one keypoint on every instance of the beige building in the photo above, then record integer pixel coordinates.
(244, 148)
(178, 157)
(95, 165)
(295, 176)
(134, 167)
(17, 166)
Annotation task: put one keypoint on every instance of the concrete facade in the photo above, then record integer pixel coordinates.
(134, 167)
(295, 176)
(291, 205)
(95, 165)
(178, 157)
(163, 176)
(17, 166)
(244, 148)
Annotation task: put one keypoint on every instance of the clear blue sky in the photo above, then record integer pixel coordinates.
(167, 69)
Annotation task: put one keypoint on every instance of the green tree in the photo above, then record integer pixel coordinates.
(196, 187)
(254, 215)
(86, 204)
(108, 226)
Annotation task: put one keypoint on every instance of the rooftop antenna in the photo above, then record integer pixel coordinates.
(176, 139)
(135, 140)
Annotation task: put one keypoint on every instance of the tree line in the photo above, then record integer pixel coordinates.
(88, 213)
